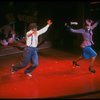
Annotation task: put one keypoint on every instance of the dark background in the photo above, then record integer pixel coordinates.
(21, 13)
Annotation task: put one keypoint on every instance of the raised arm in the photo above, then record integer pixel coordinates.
(43, 30)
(73, 30)
(94, 25)
(76, 30)
(91, 23)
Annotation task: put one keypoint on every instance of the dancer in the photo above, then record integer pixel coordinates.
(87, 50)
(30, 51)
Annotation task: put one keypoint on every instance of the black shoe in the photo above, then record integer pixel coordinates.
(92, 70)
(75, 64)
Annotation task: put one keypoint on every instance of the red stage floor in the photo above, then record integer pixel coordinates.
(55, 77)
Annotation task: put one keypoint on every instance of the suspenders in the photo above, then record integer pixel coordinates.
(31, 41)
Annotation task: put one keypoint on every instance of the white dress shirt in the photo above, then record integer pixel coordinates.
(32, 41)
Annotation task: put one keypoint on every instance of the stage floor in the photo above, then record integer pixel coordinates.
(55, 77)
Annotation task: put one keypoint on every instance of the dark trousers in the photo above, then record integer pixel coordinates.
(30, 54)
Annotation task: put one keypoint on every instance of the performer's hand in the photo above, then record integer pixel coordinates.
(68, 27)
(66, 24)
(49, 22)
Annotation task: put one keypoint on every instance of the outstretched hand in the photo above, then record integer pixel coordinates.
(49, 22)
(66, 24)
(68, 27)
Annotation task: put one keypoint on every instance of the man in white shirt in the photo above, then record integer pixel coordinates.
(30, 51)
